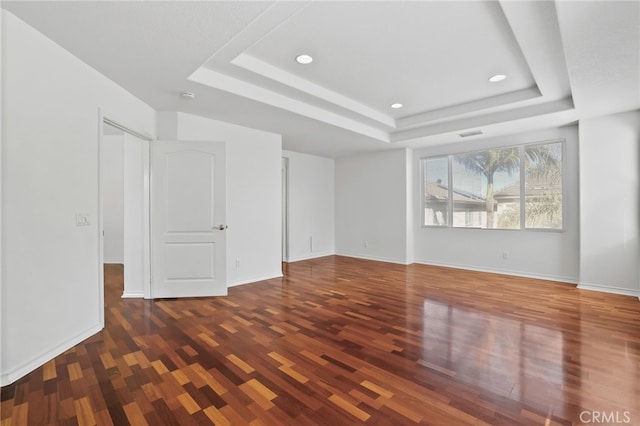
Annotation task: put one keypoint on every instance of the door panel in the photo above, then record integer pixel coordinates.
(190, 187)
(187, 206)
(194, 260)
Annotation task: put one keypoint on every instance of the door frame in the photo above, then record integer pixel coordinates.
(285, 209)
(110, 119)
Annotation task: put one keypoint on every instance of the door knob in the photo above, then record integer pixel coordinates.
(220, 227)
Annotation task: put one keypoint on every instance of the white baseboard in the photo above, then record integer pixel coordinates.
(113, 261)
(16, 373)
(129, 295)
(310, 256)
(561, 279)
(254, 279)
(376, 258)
(609, 289)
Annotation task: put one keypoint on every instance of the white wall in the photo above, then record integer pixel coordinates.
(51, 297)
(253, 192)
(373, 206)
(609, 168)
(311, 206)
(548, 255)
(112, 170)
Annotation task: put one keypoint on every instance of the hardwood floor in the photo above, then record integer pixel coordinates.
(342, 341)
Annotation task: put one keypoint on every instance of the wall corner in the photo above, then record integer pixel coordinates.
(167, 125)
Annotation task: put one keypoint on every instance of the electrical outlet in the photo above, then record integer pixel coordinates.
(365, 244)
(237, 263)
(82, 219)
(505, 255)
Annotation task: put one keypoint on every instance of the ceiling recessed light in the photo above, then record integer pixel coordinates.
(496, 78)
(188, 95)
(396, 105)
(304, 59)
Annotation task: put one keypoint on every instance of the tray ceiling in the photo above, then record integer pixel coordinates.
(434, 57)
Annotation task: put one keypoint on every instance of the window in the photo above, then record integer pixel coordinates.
(518, 187)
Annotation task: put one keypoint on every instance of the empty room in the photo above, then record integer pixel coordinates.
(320, 212)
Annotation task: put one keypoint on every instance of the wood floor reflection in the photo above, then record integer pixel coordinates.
(342, 341)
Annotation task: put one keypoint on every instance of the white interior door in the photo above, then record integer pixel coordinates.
(188, 223)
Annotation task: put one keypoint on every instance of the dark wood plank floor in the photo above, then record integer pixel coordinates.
(341, 341)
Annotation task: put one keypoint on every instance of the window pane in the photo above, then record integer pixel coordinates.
(543, 186)
(468, 198)
(506, 187)
(486, 189)
(436, 191)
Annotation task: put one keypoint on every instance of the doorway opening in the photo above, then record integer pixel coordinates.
(112, 192)
(124, 207)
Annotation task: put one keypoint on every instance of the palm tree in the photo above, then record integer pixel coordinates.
(489, 162)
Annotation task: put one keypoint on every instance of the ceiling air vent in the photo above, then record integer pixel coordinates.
(472, 133)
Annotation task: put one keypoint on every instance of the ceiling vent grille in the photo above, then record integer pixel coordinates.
(472, 133)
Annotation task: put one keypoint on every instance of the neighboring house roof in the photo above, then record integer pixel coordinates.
(437, 191)
(534, 187)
